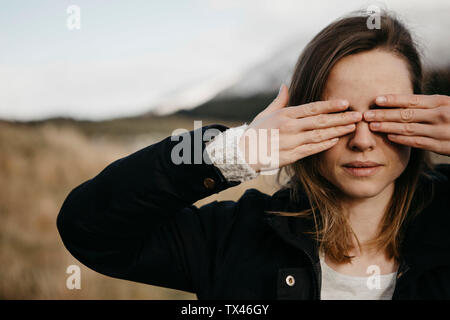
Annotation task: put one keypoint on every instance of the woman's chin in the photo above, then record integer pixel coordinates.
(361, 190)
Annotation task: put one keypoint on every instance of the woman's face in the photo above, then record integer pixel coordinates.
(360, 78)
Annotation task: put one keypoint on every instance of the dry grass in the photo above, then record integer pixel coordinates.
(39, 165)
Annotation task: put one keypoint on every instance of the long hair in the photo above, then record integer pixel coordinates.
(347, 36)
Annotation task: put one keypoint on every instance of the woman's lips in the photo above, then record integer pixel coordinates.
(362, 172)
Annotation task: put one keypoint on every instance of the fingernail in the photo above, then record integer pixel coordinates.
(356, 115)
(369, 114)
(375, 125)
(381, 99)
(343, 103)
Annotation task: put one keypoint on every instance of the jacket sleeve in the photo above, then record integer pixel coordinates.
(135, 219)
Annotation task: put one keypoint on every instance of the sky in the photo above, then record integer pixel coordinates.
(129, 56)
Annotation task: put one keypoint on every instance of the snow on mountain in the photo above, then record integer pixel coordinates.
(265, 76)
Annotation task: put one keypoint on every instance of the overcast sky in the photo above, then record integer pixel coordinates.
(129, 55)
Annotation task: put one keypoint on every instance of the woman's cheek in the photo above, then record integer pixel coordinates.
(398, 155)
(327, 160)
(403, 155)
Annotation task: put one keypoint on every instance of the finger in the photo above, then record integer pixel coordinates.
(280, 101)
(315, 108)
(402, 115)
(426, 143)
(407, 129)
(319, 135)
(411, 100)
(314, 136)
(326, 120)
(313, 148)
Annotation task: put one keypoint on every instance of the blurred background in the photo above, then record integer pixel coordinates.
(85, 82)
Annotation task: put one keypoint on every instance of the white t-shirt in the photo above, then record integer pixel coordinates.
(339, 286)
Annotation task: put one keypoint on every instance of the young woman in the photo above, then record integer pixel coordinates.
(363, 217)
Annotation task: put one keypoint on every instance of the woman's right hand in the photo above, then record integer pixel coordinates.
(302, 131)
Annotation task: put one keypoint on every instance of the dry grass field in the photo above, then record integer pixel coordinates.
(39, 165)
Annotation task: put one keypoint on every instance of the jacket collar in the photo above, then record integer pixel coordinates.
(292, 230)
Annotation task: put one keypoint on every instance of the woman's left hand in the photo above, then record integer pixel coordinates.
(422, 121)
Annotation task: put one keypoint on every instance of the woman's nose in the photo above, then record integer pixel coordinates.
(362, 138)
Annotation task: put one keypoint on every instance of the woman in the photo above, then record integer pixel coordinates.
(316, 237)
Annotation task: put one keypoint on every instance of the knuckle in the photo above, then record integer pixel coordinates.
(419, 142)
(321, 120)
(406, 114)
(414, 101)
(444, 114)
(299, 151)
(317, 135)
(308, 148)
(409, 128)
(312, 109)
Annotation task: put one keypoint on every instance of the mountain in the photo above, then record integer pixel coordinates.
(238, 97)
(242, 97)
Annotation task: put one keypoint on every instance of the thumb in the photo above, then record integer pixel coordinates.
(281, 100)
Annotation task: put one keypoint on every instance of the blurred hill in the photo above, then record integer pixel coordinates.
(235, 105)
(242, 109)
(252, 88)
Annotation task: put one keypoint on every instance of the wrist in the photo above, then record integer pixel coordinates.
(225, 154)
(244, 149)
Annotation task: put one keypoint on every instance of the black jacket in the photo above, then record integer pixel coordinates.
(135, 220)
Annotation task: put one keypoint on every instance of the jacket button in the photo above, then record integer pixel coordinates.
(209, 183)
(290, 280)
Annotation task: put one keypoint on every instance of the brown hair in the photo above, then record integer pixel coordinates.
(346, 36)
